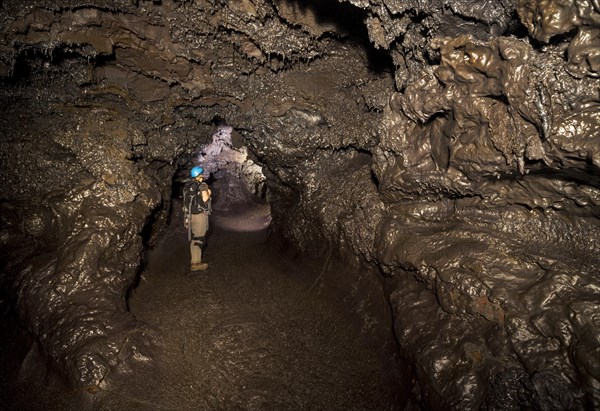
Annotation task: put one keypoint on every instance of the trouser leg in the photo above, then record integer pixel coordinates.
(195, 252)
(199, 228)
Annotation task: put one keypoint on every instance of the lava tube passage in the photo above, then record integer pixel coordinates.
(249, 321)
(299, 205)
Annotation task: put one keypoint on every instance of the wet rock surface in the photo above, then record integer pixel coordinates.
(247, 339)
(248, 333)
(452, 145)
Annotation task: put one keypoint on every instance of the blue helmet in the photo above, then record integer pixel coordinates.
(196, 171)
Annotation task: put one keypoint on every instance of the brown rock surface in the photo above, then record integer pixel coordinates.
(451, 148)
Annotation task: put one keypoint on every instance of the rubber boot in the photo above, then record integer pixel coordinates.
(199, 266)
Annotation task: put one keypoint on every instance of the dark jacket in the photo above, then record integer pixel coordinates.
(192, 198)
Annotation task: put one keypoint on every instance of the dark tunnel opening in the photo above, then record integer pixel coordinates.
(236, 181)
(242, 211)
(229, 167)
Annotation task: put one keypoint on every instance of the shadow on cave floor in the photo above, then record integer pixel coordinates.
(248, 333)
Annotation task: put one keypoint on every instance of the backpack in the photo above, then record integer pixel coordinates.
(192, 198)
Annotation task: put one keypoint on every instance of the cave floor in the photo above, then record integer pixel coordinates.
(249, 333)
(252, 332)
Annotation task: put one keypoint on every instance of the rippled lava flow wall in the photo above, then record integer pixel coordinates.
(451, 148)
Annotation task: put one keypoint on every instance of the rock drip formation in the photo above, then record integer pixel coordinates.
(450, 149)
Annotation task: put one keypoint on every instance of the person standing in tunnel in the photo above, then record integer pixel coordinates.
(196, 208)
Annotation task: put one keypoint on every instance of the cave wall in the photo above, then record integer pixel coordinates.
(86, 170)
(451, 146)
(493, 198)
